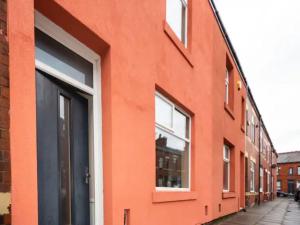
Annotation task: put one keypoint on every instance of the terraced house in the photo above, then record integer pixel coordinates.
(261, 157)
(124, 113)
(288, 172)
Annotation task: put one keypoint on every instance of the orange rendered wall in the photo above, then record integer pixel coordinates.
(139, 55)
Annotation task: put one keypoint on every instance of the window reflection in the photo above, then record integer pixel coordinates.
(172, 157)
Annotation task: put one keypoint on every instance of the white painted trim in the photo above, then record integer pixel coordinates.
(227, 160)
(169, 189)
(63, 77)
(57, 33)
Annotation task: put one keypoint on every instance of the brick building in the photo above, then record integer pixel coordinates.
(124, 112)
(4, 118)
(261, 157)
(288, 171)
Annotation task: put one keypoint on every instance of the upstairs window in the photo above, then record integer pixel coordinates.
(247, 121)
(176, 16)
(173, 141)
(227, 82)
(229, 87)
(243, 120)
(298, 170)
(252, 127)
(290, 171)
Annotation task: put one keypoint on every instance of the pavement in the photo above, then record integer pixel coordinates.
(282, 211)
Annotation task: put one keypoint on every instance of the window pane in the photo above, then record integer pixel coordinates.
(56, 55)
(175, 13)
(172, 161)
(181, 123)
(65, 160)
(163, 112)
(226, 176)
(226, 152)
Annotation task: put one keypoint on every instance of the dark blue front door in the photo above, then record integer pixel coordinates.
(62, 150)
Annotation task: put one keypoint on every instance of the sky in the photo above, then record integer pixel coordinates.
(266, 37)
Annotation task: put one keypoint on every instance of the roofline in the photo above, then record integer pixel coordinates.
(289, 152)
(238, 64)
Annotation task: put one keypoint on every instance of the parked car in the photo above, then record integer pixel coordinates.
(281, 194)
(297, 195)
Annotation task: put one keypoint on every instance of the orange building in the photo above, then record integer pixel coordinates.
(128, 112)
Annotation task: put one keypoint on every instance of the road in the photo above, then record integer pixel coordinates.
(282, 211)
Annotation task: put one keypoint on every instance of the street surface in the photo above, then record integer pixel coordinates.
(282, 211)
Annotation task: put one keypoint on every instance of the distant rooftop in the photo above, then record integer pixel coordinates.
(289, 157)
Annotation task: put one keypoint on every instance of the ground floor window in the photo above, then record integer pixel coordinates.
(247, 174)
(279, 185)
(252, 176)
(298, 184)
(172, 139)
(226, 168)
(261, 189)
(268, 181)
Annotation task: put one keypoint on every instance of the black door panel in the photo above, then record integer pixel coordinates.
(63, 159)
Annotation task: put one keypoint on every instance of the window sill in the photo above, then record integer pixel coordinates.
(229, 110)
(228, 195)
(161, 196)
(178, 44)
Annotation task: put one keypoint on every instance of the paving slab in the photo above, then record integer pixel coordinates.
(281, 211)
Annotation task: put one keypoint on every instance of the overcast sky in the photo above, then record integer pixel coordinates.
(266, 37)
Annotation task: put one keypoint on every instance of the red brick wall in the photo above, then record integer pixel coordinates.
(4, 103)
(5, 180)
(284, 176)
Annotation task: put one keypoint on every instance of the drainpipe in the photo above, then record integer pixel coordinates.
(259, 164)
(271, 172)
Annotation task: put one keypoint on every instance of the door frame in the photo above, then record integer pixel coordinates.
(93, 94)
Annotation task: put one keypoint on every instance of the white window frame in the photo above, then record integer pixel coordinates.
(93, 94)
(227, 160)
(253, 129)
(279, 182)
(297, 183)
(183, 36)
(298, 170)
(171, 131)
(268, 181)
(247, 120)
(261, 189)
(227, 83)
(291, 169)
(252, 170)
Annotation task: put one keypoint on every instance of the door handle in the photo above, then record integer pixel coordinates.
(87, 175)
